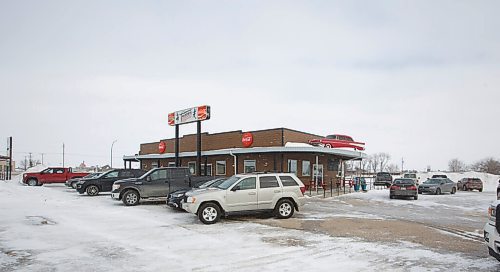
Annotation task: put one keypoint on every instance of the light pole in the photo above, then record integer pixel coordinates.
(112, 153)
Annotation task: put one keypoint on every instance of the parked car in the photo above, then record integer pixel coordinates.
(72, 182)
(403, 188)
(154, 185)
(104, 182)
(438, 186)
(174, 199)
(280, 193)
(491, 230)
(383, 179)
(51, 175)
(412, 176)
(469, 184)
(337, 141)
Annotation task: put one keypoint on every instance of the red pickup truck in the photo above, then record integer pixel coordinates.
(51, 175)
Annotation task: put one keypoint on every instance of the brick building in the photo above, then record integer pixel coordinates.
(224, 154)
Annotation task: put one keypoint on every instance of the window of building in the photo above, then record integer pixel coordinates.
(306, 168)
(171, 164)
(154, 164)
(268, 182)
(220, 168)
(192, 167)
(292, 166)
(249, 166)
(209, 169)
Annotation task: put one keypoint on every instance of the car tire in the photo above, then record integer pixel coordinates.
(328, 145)
(32, 182)
(131, 198)
(92, 190)
(209, 213)
(391, 197)
(464, 188)
(480, 190)
(73, 185)
(284, 209)
(453, 190)
(438, 191)
(415, 197)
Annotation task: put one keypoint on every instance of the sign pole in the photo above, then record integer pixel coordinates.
(177, 164)
(9, 174)
(198, 149)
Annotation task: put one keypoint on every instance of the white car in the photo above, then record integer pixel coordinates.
(491, 230)
(412, 176)
(282, 193)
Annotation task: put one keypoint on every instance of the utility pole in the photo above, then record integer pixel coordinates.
(25, 163)
(402, 164)
(63, 155)
(31, 161)
(112, 153)
(42, 157)
(9, 174)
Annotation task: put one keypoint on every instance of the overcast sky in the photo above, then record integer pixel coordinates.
(415, 79)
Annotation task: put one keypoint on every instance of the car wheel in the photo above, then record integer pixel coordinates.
(480, 190)
(438, 191)
(328, 145)
(453, 190)
(73, 185)
(32, 182)
(209, 213)
(391, 196)
(415, 197)
(284, 209)
(464, 188)
(130, 198)
(92, 190)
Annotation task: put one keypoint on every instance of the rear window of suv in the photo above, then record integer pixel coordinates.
(288, 181)
(268, 182)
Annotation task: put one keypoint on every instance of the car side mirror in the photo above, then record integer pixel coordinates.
(442, 183)
(235, 188)
(148, 178)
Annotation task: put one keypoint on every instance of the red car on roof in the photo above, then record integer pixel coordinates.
(337, 141)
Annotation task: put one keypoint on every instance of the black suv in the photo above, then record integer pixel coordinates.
(104, 182)
(383, 179)
(154, 185)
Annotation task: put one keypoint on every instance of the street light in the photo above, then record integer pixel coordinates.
(112, 153)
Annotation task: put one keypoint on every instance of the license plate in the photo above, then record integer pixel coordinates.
(403, 188)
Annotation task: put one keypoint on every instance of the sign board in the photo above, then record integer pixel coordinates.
(162, 146)
(190, 115)
(247, 139)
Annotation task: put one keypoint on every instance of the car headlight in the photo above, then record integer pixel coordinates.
(116, 186)
(179, 195)
(191, 199)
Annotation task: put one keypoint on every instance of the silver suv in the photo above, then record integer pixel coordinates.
(281, 193)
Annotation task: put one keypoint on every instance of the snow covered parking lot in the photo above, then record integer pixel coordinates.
(52, 228)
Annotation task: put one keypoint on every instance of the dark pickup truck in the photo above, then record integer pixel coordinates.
(154, 185)
(104, 182)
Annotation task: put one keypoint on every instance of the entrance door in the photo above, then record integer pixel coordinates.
(318, 174)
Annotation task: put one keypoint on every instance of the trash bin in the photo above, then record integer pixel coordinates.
(356, 187)
(363, 184)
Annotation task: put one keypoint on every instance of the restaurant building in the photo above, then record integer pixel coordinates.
(271, 150)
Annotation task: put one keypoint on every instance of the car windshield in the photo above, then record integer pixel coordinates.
(93, 175)
(212, 183)
(383, 174)
(403, 181)
(433, 181)
(228, 182)
(410, 176)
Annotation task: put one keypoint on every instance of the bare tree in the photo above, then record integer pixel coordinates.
(374, 162)
(384, 159)
(488, 165)
(456, 165)
(393, 168)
